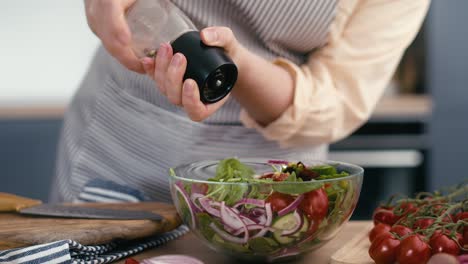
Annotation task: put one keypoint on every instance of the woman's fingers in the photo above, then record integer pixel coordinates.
(106, 19)
(148, 66)
(174, 78)
(163, 58)
(195, 109)
(220, 37)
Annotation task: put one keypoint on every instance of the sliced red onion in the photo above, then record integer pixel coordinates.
(463, 258)
(172, 259)
(257, 214)
(262, 220)
(252, 227)
(262, 232)
(228, 237)
(230, 230)
(280, 162)
(256, 202)
(231, 218)
(269, 214)
(235, 210)
(207, 204)
(189, 203)
(194, 197)
(297, 227)
(247, 221)
(292, 206)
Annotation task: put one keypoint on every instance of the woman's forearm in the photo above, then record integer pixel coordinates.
(263, 89)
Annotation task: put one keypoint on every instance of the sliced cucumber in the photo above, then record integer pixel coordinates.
(288, 222)
(304, 228)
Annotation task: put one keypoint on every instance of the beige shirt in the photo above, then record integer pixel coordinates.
(340, 85)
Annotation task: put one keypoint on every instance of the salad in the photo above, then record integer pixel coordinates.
(285, 211)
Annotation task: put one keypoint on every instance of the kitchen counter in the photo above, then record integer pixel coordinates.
(393, 108)
(190, 245)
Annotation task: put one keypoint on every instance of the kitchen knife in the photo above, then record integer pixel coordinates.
(22, 205)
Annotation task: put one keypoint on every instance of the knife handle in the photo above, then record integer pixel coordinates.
(14, 203)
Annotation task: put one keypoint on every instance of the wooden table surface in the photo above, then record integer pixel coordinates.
(190, 245)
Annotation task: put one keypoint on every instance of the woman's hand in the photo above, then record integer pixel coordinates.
(264, 89)
(106, 18)
(168, 69)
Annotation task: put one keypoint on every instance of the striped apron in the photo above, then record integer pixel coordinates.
(119, 127)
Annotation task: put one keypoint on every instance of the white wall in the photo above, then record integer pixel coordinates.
(45, 48)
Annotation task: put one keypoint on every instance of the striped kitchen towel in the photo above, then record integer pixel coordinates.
(69, 251)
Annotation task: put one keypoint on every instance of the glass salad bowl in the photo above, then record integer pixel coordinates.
(265, 210)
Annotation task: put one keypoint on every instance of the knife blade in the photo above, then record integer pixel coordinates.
(23, 205)
(57, 210)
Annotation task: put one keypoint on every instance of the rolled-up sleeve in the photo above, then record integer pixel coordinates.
(339, 86)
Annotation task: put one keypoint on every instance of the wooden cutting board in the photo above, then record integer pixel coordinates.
(19, 230)
(356, 250)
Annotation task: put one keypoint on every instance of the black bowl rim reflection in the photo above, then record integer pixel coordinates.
(359, 171)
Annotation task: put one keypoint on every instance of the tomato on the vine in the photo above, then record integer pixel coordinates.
(401, 230)
(201, 188)
(408, 208)
(461, 216)
(279, 201)
(413, 250)
(441, 243)
(383, 249)
(465, 235)
(315, 204)
(378, 230)
(275, 176)
(423, 223)
(384, 215)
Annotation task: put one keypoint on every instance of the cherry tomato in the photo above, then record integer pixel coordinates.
(384, 215)
(378, 230)
(465, 236)
(267, 175)
(315, 204)
(413, 250)
(313, 226)
(200, 188)
(461, 216)
(441, 243)
(408, 208)
(401, 230)
(280, 176)
(279, 201)
(383, 249)
(275, 176)
(423, 223)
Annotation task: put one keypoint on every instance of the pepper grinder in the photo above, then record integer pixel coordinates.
(153, 22)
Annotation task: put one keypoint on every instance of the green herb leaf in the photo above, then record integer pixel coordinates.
(324, 169)
(236, 248)
(332, 176)
(204, 221)
(297, 188)
(172, 172)
(263, 245)
(233, 168)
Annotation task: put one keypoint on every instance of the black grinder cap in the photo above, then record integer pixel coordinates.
(210, 67)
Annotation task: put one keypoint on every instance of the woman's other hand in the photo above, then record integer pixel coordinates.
(106, 18)
(168, 69)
